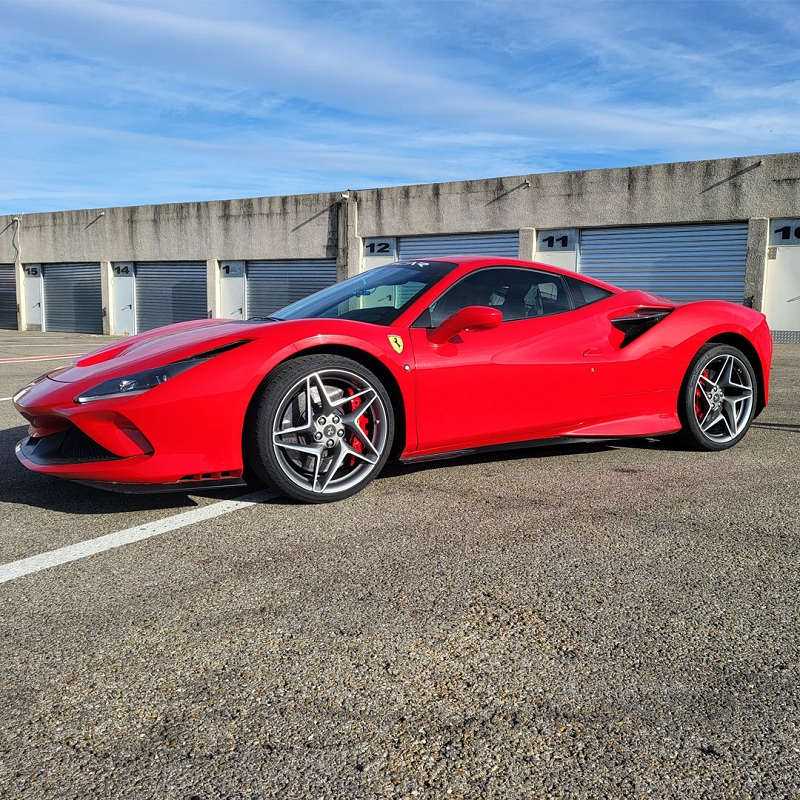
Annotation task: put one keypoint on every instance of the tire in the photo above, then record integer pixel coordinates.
(718, 398)
(322, 428)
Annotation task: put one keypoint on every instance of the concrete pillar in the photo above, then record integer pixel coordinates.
(232, 294)
(755, 264)
(558, 248)
(527, 243)
(19, 276)
(105, 292)
(30, 297)
(213, 300)
(120, 300)
(348, 259)
(18, 294)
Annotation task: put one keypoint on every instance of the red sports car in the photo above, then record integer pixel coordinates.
(414, 360)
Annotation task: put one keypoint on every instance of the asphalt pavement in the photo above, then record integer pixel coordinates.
(607, 621)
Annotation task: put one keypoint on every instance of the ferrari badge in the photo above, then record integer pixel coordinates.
(397, 343)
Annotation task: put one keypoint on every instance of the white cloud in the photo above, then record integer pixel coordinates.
(334, 69)
(252, 98)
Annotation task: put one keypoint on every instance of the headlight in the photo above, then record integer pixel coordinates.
(140, 382)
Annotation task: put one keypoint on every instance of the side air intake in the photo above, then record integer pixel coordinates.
(640, 321)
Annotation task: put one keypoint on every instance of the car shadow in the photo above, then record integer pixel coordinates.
(670, 443)
(396, 468)
(790, 427)
(22, 487)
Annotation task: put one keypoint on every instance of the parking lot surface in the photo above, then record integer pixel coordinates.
(616, 620)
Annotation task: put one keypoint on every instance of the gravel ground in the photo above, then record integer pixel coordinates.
(615, 621)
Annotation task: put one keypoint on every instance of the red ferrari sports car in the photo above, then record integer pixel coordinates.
(414, 360)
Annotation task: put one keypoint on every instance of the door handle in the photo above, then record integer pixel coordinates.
(592, 351)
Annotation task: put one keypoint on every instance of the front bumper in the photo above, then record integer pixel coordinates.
(72, 454)
(160, 437)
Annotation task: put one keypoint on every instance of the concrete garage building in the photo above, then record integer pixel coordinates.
(726, 229)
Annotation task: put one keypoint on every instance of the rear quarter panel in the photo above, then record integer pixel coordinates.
(690, 326)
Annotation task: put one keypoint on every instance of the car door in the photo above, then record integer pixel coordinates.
(530, 377)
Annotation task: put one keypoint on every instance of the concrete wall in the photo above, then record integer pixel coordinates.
(332, 225)
(301, 226)
(696, 191)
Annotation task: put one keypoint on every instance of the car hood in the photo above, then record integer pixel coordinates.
(158, 347)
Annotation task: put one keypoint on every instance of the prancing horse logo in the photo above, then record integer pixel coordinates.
(397, 343)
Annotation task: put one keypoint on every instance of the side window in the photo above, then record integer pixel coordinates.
(554, 296)
(583, 294)
(519, 293)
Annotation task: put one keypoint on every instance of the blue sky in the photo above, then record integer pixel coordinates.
(106, 103)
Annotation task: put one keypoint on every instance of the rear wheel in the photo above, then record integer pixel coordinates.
(322, 428)
(718, 398)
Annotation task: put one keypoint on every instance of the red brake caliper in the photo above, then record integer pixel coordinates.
(355, 442)
(699, 413)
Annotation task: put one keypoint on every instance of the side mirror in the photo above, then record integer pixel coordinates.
(470, 318)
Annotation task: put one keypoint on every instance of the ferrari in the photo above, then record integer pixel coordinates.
(414, 360)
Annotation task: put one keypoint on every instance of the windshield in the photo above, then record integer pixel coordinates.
(377, 296)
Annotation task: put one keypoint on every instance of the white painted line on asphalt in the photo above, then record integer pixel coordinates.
(38, 358)
(74, 552)
(5, 398)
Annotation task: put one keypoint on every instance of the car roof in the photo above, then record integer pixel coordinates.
(467, 262)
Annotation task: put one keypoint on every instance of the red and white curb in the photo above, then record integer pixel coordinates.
(38, 358)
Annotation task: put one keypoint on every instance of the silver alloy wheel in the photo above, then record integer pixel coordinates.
(329, 431)
(723, 398)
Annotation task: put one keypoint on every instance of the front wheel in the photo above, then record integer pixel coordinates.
(718, 398)
(322, 428)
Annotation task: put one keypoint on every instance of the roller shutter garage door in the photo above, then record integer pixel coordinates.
(73, 298)
(8, 298)
(271, 285)
(494, 244)
(168, 292)
(679, 262)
